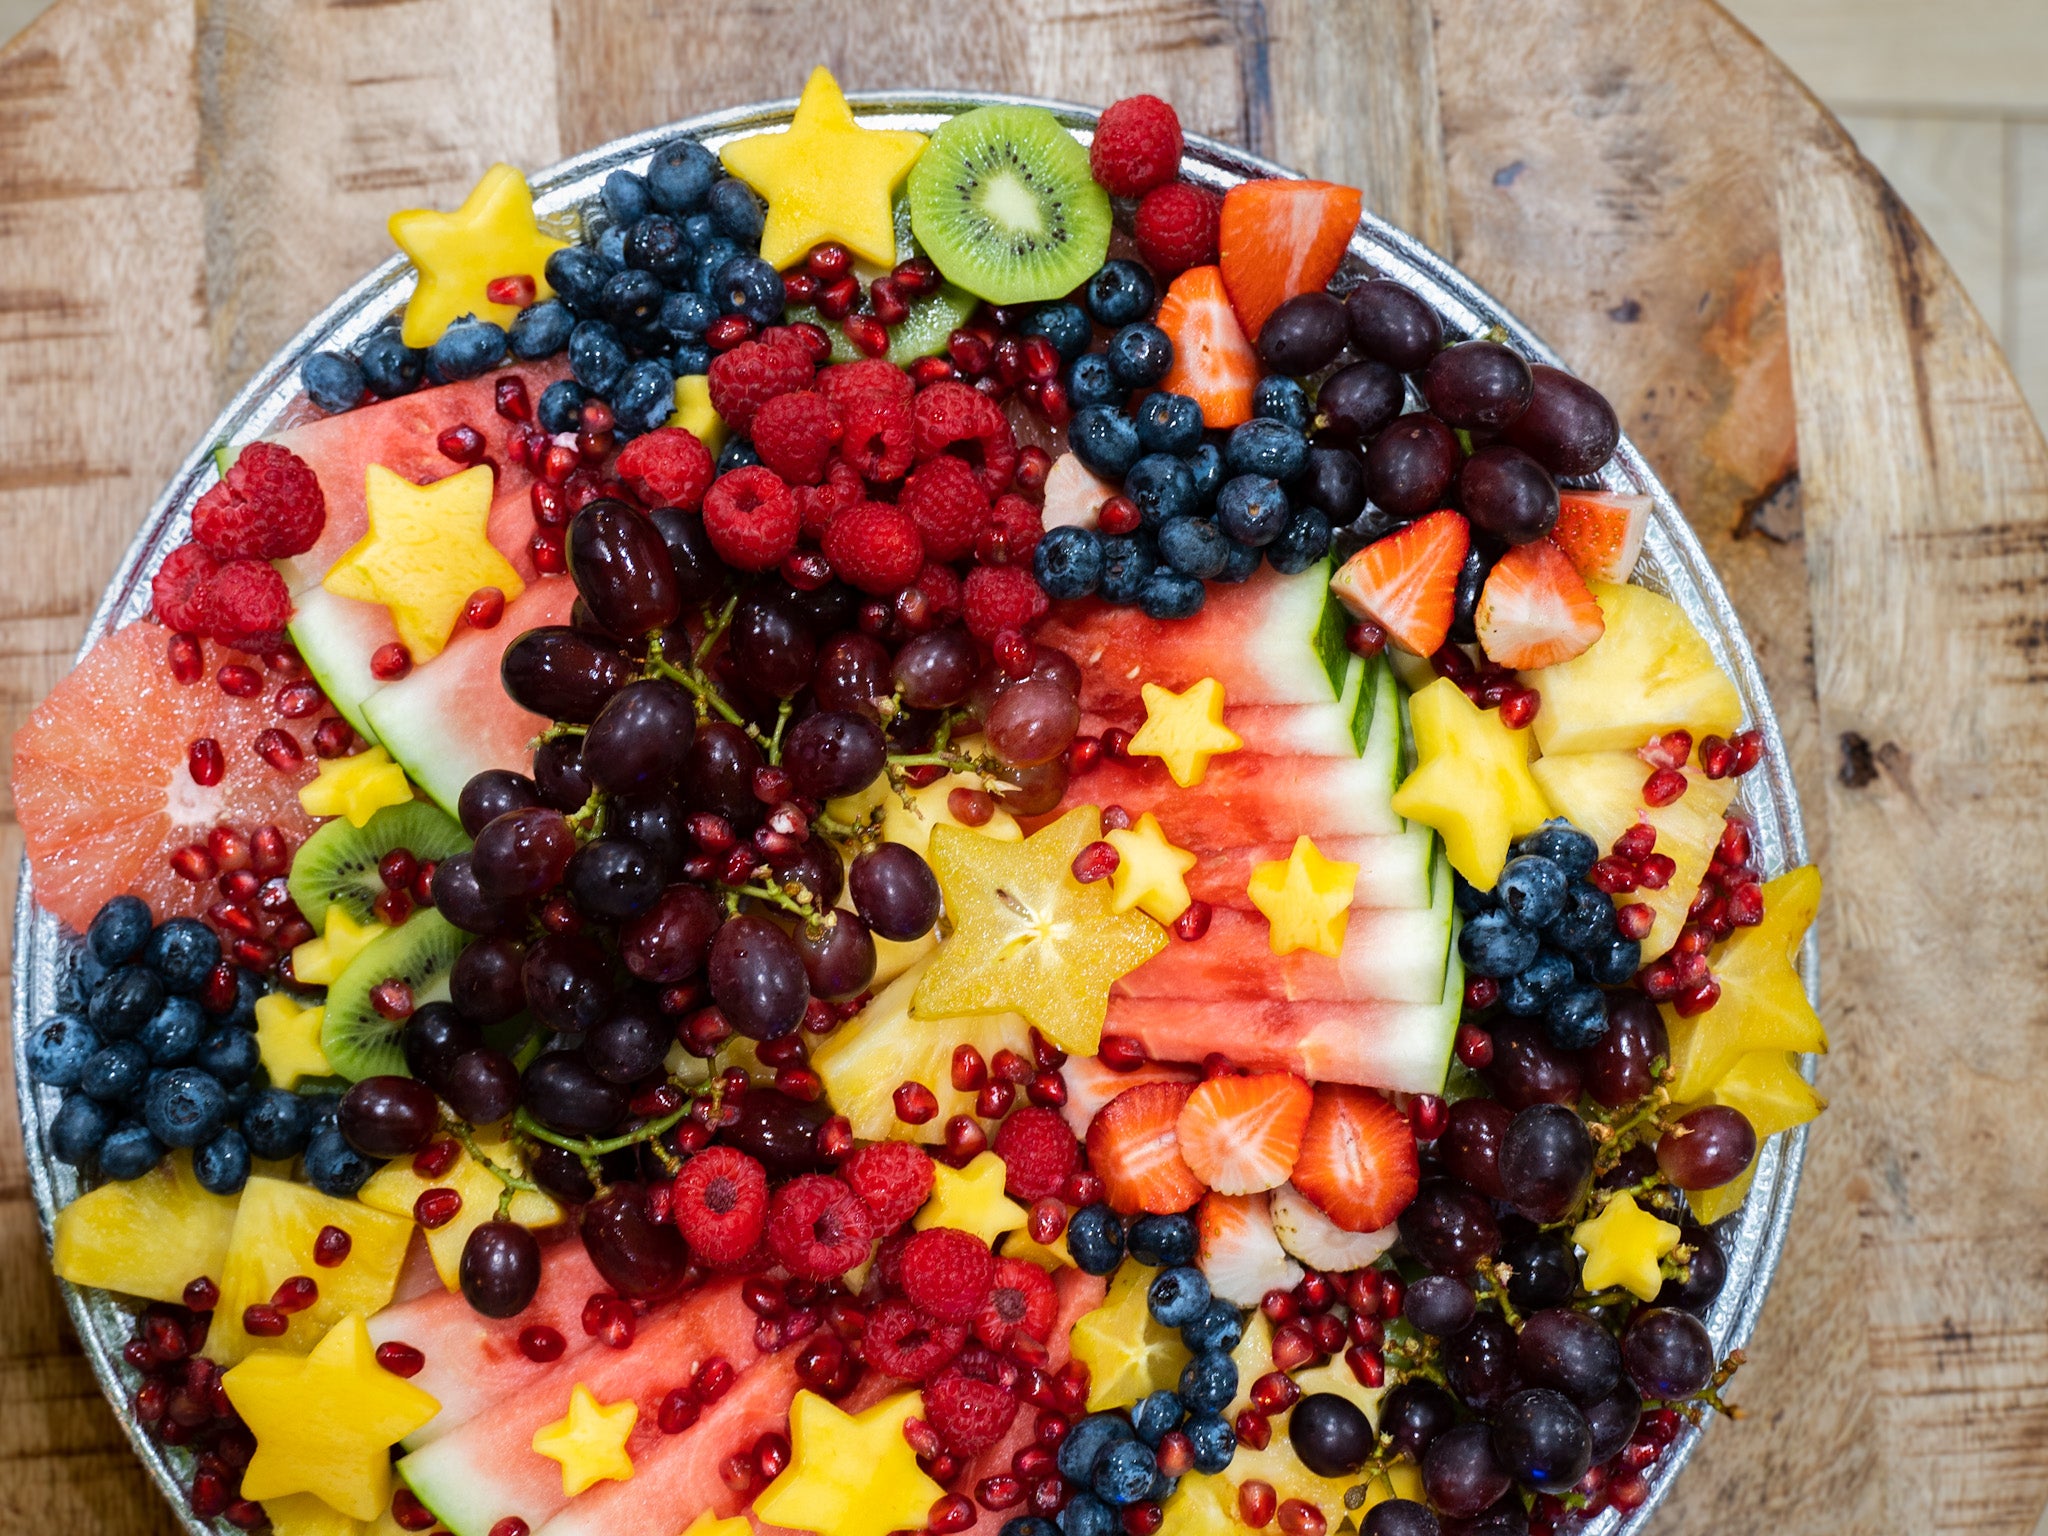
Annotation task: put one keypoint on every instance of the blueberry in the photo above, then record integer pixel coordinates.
(712, 256)
(240, 1097)
(1467, 897)
(1063, 323)
(1091, 1438)
(1086, 1515)
(77, 1129)
(58, 1050)
(1242, 560)
(231, 1055)
(577, 275)
(1029, 1525)
(174, 1032)
(390, 367)
(699, 229)
(1068, 562)
(1162, 1489)
(1472, 573)
(1269, 448)
(1120, 292)
(124, 1002)
(1095, 1238)
(1156, 1415)
(1279, 398)
(540, 330)
(1215, 1441)
(1140, 355)
(657, 246)
(596, 359)
(333, 380)
(1529, 991)
(324, 1108)
(1494, 944)
(749, 286)
(679, 174)
(130, 1153)
(1612, 964)
(1576, 1017)
(1125, 1472)
(277, 1123)
(1169, 595)
(1127, 560)
(561, 407)
(1304, 541)
(632, 299)
(1194, 547)
(185, 1107)
(1163, 488)
(1163, 1241)
(691, 356)
(1208, 1382)
(1104, 439)
(222, 1165)
(737, 453)
(241, 1013)
(1169, 424)
(113, 1072)
(644, 397)
(468, 349)
(1533, 888)
(1089, 382)
(1564, 845)
(333, 1166)
(1220, 1327)
(183, 952)
(1178, 1296)
(1253, 509)
(85, 972)
(611, 247)
(738, 212)
(1586, 921)
(625, 197)
(685, 316)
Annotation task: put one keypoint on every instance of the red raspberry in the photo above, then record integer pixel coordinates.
(819, 1228)
(752, 374)
(1020, 527)
(811, 338)
(951, 415)
(1038, 1152)
(948, 1273)
(721, 1204)
(817, 505)
(795, 434)
(1000, 597)
(893, 1177)
(844, 382)
(901, 1341)
(179, 589)
(969, 1414)
(878, 440)
(668, 467)
(1022, 1298)
(1137, 146)
(751, 518)
(247, 606)
(267, 507)
(874, 546)
(1176, 228)
(889, 1258)
(942, 589)
(946, 501)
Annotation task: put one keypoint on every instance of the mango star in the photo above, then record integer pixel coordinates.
(325, 1422)
(850, 1474)
(1150, 872)
(972, 1199)
(695, 414)
(1127, 1350)
(1471, 781)
(1306, 900)
(288, 1039)
(1050, 1257)
(1184, 730)
(589, 1441)
(492, 235)
(826, 178)
(1623, 1244)
(319, 960)
(1773, 1097)
(357, 787)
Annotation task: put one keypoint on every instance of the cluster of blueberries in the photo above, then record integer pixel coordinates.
(145, 1067)
(1548, 936)
(677, 248)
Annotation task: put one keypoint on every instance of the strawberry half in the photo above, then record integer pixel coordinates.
(1281, 238)
(1240, 1252)
(1133, 1144)
(1602, 532)
(1534, 610)
(1407, 582)
(1357, 1162)
(1240, 1134)
(1212, 362)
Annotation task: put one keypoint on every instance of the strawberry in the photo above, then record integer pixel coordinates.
(1534, 610)
(1134, 1147)
(1357, 1162)
(1240, 1134)
(1240, 1253)
(1212, 362)
(1602, 532)
(1281, 238)
(1407, 582)
(1090, 1085)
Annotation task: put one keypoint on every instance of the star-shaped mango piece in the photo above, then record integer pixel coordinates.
(850, 1474)
(288, 1039)
(1028, 938)
(971, 1199)
(492, 235)
(1184, 730)
(695, 413)
(1127, 1350)
(357, 787)
(1306, 900)
(325, 1421)
(1050, 1257)
(1623, 1244)
(427, 552)
(1763, 1004)
(1471, 781)
(826, 178)
(319, 960)
(1773, 1097)
(1150, 874)
(589, 1441)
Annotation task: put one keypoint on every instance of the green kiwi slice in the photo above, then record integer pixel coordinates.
(359, 1041)
(338, 863)
(1002, 202)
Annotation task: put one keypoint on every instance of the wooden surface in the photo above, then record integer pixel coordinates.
(183, 182)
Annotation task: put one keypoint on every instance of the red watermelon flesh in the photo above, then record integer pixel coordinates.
(1387, 956)
(1247, 797)
(1404, 1047)
(1090, 1085)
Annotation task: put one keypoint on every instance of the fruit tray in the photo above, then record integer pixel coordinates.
(1672, 563)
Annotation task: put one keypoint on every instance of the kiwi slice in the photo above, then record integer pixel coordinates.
(338, 863)
(359, 1041)
(1002, 202)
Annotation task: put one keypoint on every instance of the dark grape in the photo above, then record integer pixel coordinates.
(562, 1092)
(482, 1086)
(1303, 335)
(490, 794)
(641, 1259)
(936, 670)
(1469, 1147)
(1477, 384)
(1333, 483)
(1613, 1421)
(1033, 723)
(559, 774)
(630, 1044)
(640, 740)
(699, 573)
(757, 977)
(1527, 1069)
(1393, 324)
(1508, 494)
(1439, 1304)
(1411, 464)
(1541, 1438)
(433, 1037)
(671, 940)
(1050, 664)
(1568, 428)
(1330, 1434)
(1707, 1147)
(769, 649)
(460, 898)
(500, 1269)
(818, 868)
(388, 1116)
(1460, 1472)
(1618, 1063)
(1667, 1353)
(522, 854)
(823, 611)
(719, 773)
(834, 753)
(1415, 1413)
(568, 981)
(895, 892)
(1358, 402)
(1544, 1271)
(1546, 1162)
(839, 959)
(485, 985)
(620, 564)
(561, 1173)
(1706, 1272)
(563, 675)
(779, 1132)
(657, 823)
(1400, 1517)
(852, 675)
(1569, 1352)
(612, 877)
(1472, 573)
(1449, 1228)
(1479, 1362)
(1034, 790)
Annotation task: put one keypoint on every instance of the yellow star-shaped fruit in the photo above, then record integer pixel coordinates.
(1773, 1097)
(972, 1199)
(288, 1039)
(589, 1441)
(826, 178)
(425, 555)
(492, 235)
(1050, 1257)
(850, 1474)
(319, 960)
(1184, 730)
(708, 1524)
(694, 412)
(1471, 781)
(1623, 1244)
(1127, 1350)
(1306, 900)
(1150, 872)
(357, 787)
(1028, 937)
(325, 1422)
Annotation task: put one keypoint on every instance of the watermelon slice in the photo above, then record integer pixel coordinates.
(1090, 1085)
(1299, 730)
(1393, 870)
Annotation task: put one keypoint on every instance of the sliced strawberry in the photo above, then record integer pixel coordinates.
(1090, 1085)
(1240, 1253)
(1022, 1300)
(1602, 531)
(1240, 1134)
(1281, 238)
(1133, 1145)
(1407, 582)
(1534, 610)
(1212, 362)
(1357, 1160)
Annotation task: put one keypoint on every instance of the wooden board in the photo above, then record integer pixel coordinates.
(183, 185)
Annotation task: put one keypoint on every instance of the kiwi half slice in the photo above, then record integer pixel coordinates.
(1003, 204)
(359, 1041)
(338, 863)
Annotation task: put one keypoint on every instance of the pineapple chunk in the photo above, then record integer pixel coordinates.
(147, 1237)
(1773, 1097)
(1763, 1004)
(395, 1187)
(306, 1514)
(1648, 674)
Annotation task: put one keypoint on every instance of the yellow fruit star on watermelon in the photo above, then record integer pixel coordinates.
(357, 787)
(971, 1199)
(850, 1474)
(1150, 874)
(1763, 1004)
(1305, 899)
(1127, 1350)
(589, 1441)
(1471, 781)
(1623, 1244)
(459, 254)
(1184, 730)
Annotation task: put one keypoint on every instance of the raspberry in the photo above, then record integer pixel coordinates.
(1014, 529)
(247, 606)
(889, 1259)
(951, 415)
(817, 505)
(668, 467)
(901, 1341)
(893, 1177)
(268, 506)
(878, 440)
(751, 518)
(810, 338)
(845, 382)
(948, 505)
(818, 1227)
(1176, 228)
(942, 589)
(874, 546)
(179, 588)
(1000, 597)
(948, 1273)
(1021, 1298)
(969, 1414)
(721, 1204)
(795, 434)
(1137, 146)
(752, 374)
(1038, 1152)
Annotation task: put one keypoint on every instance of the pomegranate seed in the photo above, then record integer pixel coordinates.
(1084, 1186)
(806, 570)
(1365, 638)
(1041, 360)
(281, 750)
(1143, 1518)
(1697, 998)
(1481, 992)
(1011, 1067)
(437, 1207)
(518, 291)
(205, 761)
(969, 1071)
(409, 1513)
(230, 850)
(1369, 1366)
(509, 393)
(1427, 1113)
(1274, 1392)
(1254, 1429)
(295, 1294)
(1518, 709)
(1114, 817)
(1633, 920)
(1194, 922)
(209, 1496)
(1053, 404)
(202, 1295)
(999, 1492)
(1083, 753)
(392, 999)
(299, 701)
(887, 302)
(390, 661)
(1118, 515)
(867, 333)
(1717, 757)
(995, 1099)
(436, 1158)
(950, 1513)
(1033, 464)
(541, 1344)
(511, 1525)
(712, 1380)
(798, 288)
(1048, 1090)
(461, 442)
(550, 506)
(927, 371)
(486, 606)
(1047, 1220)
(1733, 848)
(239, 681)
(1279, 1306)
(1746, 906)
(1474, 1047)
(331, 1247)
(1368, 1331)
(1667, 751)
(970, 351)
(1292, 1345)
(188, 661)
(401, 1359)
(1613, 875)
(1098, 861)
(1749, 750)
(263, 1322)
(333, 737)
(965, 1140)
(1298, 1517)
(727, 332)
(1015, 654)
(1636, 843)
(828, 262)
(1256, 1503)
(915, 277)
(1655, 871)
(1663, 787)
(546, 549)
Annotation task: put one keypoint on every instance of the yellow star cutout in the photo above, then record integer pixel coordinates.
(1051, 1258)
(1763, 1004)
(589, 1441)
(288, 1039)
(1471, 781)
(972, 1199)
(1028, 937)
(1623, 1244)
(708, 1524)
(1127, 1350)
(357, 787)
(1150, 871)
(325, 1422)
(492, 235)
(850, 1474)
(695, 414)
(425, 555)
(1184, 730)
(1306, 899)
(826, 178)
(318, 961)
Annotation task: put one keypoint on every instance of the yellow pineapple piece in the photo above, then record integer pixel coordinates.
(1253, 1357)
(1763, 1004)
(305, 1514)
(694, 412)
(1129, 1352)
(146, 1237)
(1471, 781)
(1278, 1466)
(395, 1187)
(1205, 1504)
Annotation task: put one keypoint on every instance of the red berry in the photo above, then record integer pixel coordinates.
(1001, 598)
(950, 415)
(1137, 146)
(751, 518)
(875, 547)
(948, 1273)
(818, 1227)
(1176, 228)
(969, 1414)
(894, 1178)
(795, 435)
(247, 605)
(268, 506)
(945, 498)
(720, 1204)
(752, 373)
(1038, 1150)
(667, 467)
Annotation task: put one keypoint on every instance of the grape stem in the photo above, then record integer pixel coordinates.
(1493, 1282)
(705, 693)
(589, 821)
(588, 1149)
(774, 743)
(714, 630)
(1383, 1456)
(465, 1133)
(797, 905)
